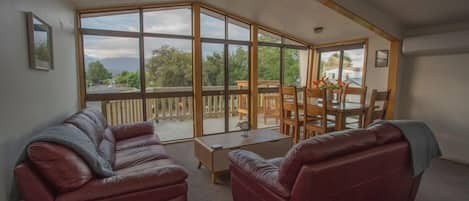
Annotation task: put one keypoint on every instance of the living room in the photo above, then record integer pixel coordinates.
(197, 80)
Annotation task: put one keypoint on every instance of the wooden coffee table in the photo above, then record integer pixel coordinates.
(265, 142)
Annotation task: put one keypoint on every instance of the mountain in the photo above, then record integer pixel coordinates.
(116, 65)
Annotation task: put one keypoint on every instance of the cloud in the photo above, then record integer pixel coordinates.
(110, 47)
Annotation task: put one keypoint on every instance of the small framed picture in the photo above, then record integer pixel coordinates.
(40, 43)
(382, 58)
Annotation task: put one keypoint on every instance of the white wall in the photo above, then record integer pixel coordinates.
(30, 100)
(434, 88)
(376, 78)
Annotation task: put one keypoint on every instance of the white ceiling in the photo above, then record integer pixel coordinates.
(418, 13)
(294, 17)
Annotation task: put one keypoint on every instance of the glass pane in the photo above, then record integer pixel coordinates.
(352, 69)
(172, 117)
(268, 109)
(238, 66)
(212, 24)
(213, 62)
(111, 64)
(115, 21)
(264, 36)
(329, 65)
(168, 21)
(238, 30)
(168, 65)
(213, 114)
(239, 111)
(119, 112)
(295, 67)
(291, 42)
(268, 67)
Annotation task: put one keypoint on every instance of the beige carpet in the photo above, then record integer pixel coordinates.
(444, 181)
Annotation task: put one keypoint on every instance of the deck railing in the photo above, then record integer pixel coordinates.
(175, 108)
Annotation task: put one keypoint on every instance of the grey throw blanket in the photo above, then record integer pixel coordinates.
(422, 142)
(74, 139)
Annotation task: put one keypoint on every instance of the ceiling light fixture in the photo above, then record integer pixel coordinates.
(318, 30)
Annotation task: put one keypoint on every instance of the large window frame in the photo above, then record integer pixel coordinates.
(197, 92)
(341, 48)
(227, 92)
(283, 44)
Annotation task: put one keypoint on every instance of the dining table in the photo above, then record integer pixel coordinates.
(341, 111)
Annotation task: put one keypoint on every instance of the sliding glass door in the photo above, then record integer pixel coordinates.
(225, 72)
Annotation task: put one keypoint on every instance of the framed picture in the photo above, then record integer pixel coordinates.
(382, 58)
(39, 43)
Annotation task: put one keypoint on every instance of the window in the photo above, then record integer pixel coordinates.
(138, 66)
(225, 72)
(267, 37)
(281, 61)
(168, 64)
(295, 67)
(343, 63)
(112, 21)
(111, 64)
(175, 21)
(212, 24)
(115, 65)
(238, 30)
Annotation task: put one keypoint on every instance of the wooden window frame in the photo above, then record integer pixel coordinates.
(341, 47)
(196, 93)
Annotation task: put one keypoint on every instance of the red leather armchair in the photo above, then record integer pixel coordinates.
(143, 170)
(360, 165)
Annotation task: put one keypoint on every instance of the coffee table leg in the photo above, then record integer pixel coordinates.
(214, 178)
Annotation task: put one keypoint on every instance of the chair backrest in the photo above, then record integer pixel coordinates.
(349, 92)
(315, 105)
(289, 99)
(378, 106)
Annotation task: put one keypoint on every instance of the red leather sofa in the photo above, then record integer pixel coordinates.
(361, 165)
(143, 170)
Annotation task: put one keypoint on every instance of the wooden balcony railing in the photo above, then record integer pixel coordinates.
(181, 108)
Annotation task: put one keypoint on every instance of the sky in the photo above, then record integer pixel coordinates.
(166, 21)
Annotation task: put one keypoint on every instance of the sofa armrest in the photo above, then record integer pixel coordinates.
(127, 182)
(264, 172)
(125, 131)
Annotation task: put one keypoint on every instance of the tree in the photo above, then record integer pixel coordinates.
(97, 74)
(292, 67)
(131, 79)
(269, 63)
(213, 70)
(169, 67)
(42, 52)
(238, 64)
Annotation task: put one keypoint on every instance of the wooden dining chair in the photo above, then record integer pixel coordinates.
(348, 95)
(378, 106)
(315, 113)
(290, 117)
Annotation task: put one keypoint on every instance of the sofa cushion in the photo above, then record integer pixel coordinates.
(139, 155)
(139, 141)
(131, 130)
(120, 186)
(85, 124)
(321, 148)
(60, 166)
